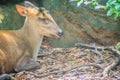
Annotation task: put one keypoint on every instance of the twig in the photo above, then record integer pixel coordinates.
(42, 55)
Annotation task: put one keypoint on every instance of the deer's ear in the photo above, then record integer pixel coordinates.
(21, 10)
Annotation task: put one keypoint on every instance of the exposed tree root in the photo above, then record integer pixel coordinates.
(67, 70)
(112, 66)
(96, 50)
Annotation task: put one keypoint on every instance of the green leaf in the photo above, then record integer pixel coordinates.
(95, 3)
(117, 6)
(116, 15)
(105, 8)
(78, 0)
(118, 0)
(112, 1)
(117, 46)
(110, 11)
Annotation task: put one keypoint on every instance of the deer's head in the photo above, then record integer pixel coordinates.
(40, 19)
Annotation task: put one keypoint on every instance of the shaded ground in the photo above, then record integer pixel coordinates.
(71, 64)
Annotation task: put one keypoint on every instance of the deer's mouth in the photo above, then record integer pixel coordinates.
(53, 36)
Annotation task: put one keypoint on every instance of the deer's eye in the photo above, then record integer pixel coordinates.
(46, 21)
(43, 20)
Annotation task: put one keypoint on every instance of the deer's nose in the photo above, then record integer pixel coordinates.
(60, 32)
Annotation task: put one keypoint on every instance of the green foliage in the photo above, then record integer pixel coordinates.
(113, 6)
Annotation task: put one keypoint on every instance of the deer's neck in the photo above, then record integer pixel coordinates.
(29, 30)
(33, 38)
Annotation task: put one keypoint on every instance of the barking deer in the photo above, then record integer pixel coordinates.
(19, 48)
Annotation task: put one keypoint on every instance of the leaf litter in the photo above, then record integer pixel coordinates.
(74, 63)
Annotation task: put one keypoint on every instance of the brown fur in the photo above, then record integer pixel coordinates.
(17, 47)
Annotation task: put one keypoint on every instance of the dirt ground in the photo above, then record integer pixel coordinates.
(76, 63)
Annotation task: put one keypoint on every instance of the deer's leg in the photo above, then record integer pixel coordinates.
(26, 63)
